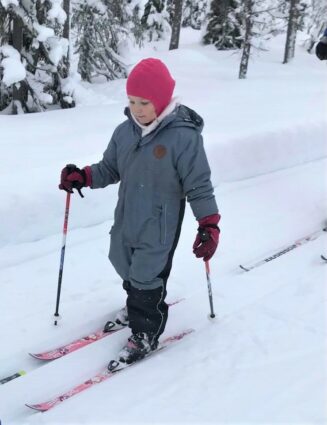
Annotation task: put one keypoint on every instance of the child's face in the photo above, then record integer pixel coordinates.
(142, 109)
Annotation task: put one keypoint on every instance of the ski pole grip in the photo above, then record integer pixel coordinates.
(71, 168)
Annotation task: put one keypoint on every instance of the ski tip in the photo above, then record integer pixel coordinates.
(43, 358)
(35, 356)
(22, 372)
(244, 268)
(35, 407)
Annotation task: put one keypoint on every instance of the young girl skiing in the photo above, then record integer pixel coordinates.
(158, 157)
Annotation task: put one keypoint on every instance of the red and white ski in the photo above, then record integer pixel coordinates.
(102, 376)
(63, 350)
(72, 346)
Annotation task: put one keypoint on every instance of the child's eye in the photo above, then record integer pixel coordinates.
(144, 103)
(132, 102)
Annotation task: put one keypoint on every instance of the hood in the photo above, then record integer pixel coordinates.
(187, 117)
(182, 116)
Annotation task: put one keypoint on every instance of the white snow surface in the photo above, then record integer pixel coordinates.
(263, 359)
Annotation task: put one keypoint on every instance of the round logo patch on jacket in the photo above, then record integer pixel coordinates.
(159, 151)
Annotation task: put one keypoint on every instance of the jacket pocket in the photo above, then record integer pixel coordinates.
(163, 224)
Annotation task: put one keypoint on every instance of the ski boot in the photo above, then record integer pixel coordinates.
(120, 321)
(137, 347)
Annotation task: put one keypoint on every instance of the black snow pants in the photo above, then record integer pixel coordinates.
(147, 309)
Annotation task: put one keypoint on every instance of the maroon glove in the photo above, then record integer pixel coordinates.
(74, 178)
(207, 239)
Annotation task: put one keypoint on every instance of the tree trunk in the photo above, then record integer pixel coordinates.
(291, 31)
(176, 24)
(65, 100)
(66, 35)
(19, 89)
(248, 7)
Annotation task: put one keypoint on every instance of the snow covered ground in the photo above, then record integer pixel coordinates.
(263, 360)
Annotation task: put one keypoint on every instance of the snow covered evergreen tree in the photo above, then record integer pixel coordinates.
(32, 55)
(155, 20)
(100, 30)
(134, 13)
(224, 25)
(194, 13)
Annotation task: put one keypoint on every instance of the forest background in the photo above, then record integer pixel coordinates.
(48, 47)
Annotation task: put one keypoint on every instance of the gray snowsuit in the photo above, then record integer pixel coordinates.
(156, 172)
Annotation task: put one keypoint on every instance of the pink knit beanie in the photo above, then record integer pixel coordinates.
(151, 79)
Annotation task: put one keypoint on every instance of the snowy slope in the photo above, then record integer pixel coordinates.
(263, 359)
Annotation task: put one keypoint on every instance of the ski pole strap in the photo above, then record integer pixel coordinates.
(80, 193)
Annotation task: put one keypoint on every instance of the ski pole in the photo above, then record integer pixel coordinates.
(212, 314)
(62, 257)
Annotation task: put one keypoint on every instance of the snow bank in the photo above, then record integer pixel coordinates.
(38, 212)
(244, 157)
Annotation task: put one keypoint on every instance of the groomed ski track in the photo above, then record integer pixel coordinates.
(255, 313)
